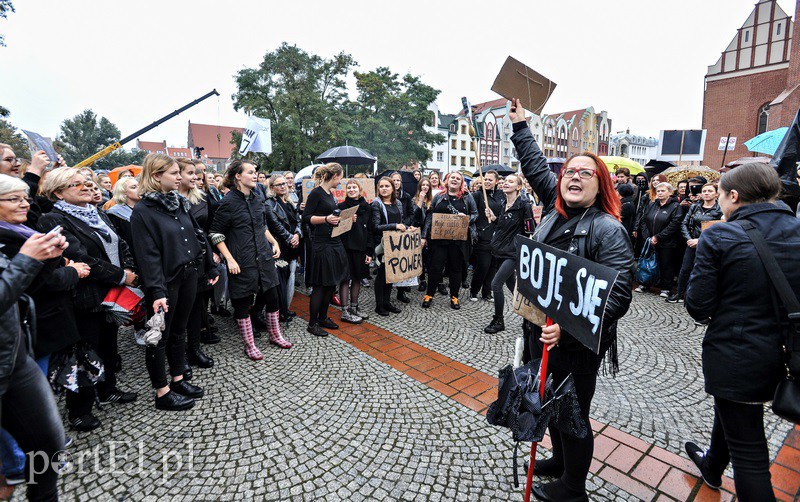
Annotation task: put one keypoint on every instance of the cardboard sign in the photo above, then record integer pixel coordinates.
(38, 142)
(525, 309)
(402, 255)
(516, 80)
(339, 193)
(537, 214)
(705, 224)
(450, 227)
(345, 221)
(569, 289)
(256, 136)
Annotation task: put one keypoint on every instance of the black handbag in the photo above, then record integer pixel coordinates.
(786, 403)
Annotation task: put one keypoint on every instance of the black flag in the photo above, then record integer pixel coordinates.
(786, 158)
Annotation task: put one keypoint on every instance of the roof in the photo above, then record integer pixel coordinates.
(216, 140)
(568, 116)
(152, 146)
(179, 152)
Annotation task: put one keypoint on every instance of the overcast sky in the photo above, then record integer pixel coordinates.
(641, 60)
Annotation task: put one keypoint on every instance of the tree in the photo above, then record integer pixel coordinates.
(5, 8)
(84, 135)
(10, 136)
(304, 97)
(388, 117)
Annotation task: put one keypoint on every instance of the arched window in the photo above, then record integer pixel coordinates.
(763, 118)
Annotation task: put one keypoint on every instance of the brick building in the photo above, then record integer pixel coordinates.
(755, 85)
(215, 142)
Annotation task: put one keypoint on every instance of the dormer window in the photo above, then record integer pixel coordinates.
(746, 36)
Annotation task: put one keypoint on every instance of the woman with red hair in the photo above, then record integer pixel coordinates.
(455, 199)
(581, 216)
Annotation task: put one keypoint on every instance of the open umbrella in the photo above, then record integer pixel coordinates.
(556, 163)
(501, 169)
(114, 173)
(767, 142)
(350, 155)
(613, 163)
(654, 167)
(747, 160)
(680, 173)
(306, 172)
(409, 181)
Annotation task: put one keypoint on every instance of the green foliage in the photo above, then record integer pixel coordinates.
(84, 135)
(10, 136)
(305, 97)
(6, 7)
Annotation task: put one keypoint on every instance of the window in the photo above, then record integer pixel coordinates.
(746, 36)
(472, 147)
(463, 145)
(463, 129)
(452, 128)
(778, 32)
(453, 144)
(439, 156)
(472, 162)
(763, 118)
(463, 161)
(452, 160)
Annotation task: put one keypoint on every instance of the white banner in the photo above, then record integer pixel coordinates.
(730, 143)
(257, 136)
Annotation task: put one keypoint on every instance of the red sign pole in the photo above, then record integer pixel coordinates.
(542, 382)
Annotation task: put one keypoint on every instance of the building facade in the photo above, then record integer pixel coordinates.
(753, 86)
(632, 146)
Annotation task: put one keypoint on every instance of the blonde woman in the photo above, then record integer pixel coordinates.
(171, 256)
(126, 195)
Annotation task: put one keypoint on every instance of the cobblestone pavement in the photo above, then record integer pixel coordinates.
(328, 421)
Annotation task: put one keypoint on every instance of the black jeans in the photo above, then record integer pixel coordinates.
(100, 335)
(269, 301)
(181, 293)
(383, 291)
(482, 273)
(506, 274)
(575, 453)
(738, 437)
(686, 270)
(666, 267)
(31, 416)
(445, 253)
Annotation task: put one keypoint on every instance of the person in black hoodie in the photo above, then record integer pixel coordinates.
(173, 253)
(514, 218)
(742, 348)
(406, 201)
(283, 212)
(357, 243)
(661, 224)
(706, 209)
(627, 194)
(484, 270)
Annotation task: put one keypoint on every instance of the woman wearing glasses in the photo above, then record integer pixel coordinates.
(92, 240)
(285, 214)
(581, 216)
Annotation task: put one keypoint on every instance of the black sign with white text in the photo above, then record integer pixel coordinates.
(570, 289)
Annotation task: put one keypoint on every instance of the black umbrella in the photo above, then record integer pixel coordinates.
(657, 166)
(556, 163)
(501, 169)
(409, 181)
(350, 155)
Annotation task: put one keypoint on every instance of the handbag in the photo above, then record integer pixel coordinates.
(786, 403)
(647, 271)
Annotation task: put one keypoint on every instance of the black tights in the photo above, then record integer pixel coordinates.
(350, 291)
(445, 252)
(320, 301)
(268, 300)
(575, 454)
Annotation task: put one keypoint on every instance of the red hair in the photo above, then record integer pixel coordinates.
(606, 195)
(461, 191)
(661, 179)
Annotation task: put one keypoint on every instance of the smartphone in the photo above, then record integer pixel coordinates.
(55, 231)
(696, 189)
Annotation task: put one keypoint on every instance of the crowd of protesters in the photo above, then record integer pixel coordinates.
(196, 242)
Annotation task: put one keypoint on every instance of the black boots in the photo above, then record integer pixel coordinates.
(198, 358)
(402, 295)
(497, 325)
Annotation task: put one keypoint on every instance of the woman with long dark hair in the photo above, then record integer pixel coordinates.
(743, 354)
(359, 255)
(285, 214)
(485, 267)
(387, 214)
(454, 200)
(173, 254)
(239, 231)
(509, 222)
(422, 204)
(327, 267)
(581, 216)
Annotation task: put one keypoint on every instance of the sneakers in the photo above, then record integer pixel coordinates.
(358, 312)
(714, 481)
(674, 299)
(349, 316)
(426, 301)
(365, 282)
(639, 289)
(85, 423)
(172, 401)
(488, 298)
(702, 324)
(473, 298)
(495, 326)
(454, 303)
(316, 330)
(328, 323)
(118, 397)
(184, 388)
(664, 293)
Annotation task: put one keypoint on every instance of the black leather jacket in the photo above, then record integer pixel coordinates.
(692, 224)
(598, 236)
(15, 276)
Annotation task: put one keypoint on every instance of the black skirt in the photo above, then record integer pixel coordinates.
(358, 268)
(329, 266)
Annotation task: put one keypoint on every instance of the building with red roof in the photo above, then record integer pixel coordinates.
(214, 141)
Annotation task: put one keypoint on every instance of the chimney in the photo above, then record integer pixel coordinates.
(794, 58)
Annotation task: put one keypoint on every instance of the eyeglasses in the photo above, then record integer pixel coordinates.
(585, 174)
(12, 160)
(76, 185)
(278, 185)
(18, 201)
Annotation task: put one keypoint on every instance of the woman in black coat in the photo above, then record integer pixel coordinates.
(283, 216)
(514, 218)
(93, 241)
(172, 254)
(359, 255)
(422, 204)
(407, 204)
(240, 234)
(742, 346)
(660, 223)
(387, 215)
(580, 216)
(485, 267)
(706, 209)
